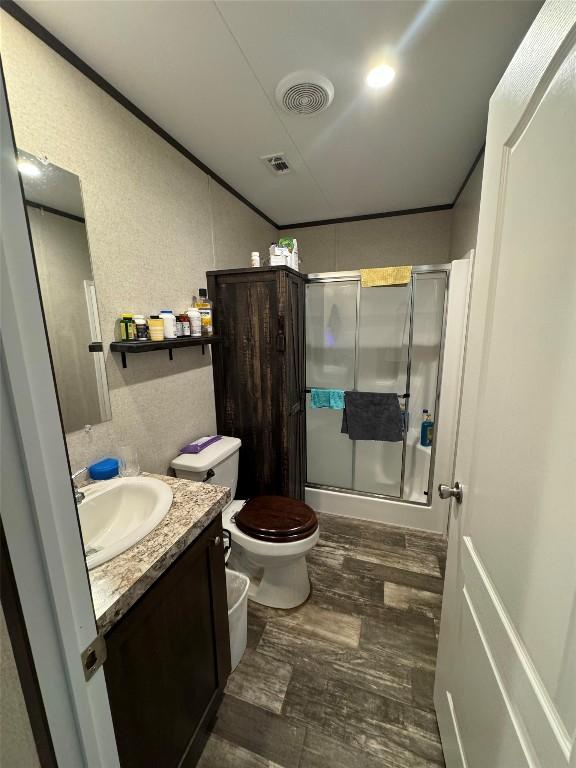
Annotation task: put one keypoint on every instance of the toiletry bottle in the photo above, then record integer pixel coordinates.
(118, 326)
(255, 259)
(427, 429)
(169, 323)
(195, 322)
(141, 328)
(184, 321)
(278, 255)
(204, 306)
(295, 261)
(128, 328)
(156, 328)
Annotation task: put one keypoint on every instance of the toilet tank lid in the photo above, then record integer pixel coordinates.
(208, 458)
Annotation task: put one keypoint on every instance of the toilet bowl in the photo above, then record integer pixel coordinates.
(270, 538)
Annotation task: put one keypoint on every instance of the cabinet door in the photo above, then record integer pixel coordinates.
(292, 304)
(247, 376)
(168, 660)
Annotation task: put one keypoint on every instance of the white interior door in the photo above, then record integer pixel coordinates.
(38, 511)
(505, 689)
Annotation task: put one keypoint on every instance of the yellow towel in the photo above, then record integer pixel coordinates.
(385, 276)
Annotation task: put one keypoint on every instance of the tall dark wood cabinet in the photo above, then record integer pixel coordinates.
(259, 375)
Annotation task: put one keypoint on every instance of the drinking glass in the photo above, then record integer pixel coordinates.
(128, 458)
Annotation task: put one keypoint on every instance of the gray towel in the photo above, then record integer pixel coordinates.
(372, 416)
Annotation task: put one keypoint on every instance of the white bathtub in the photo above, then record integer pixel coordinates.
(391, 510)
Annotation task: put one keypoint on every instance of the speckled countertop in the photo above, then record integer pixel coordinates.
(117, 584)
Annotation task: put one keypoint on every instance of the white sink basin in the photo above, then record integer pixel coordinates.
(117, 513)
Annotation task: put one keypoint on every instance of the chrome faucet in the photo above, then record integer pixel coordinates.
(78, 495)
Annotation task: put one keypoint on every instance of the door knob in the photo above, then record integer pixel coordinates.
(445, 492)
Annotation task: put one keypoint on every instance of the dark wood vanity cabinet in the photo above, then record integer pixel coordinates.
(169, 658)
(259, 375)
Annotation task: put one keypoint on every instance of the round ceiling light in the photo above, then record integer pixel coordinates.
(381, 76)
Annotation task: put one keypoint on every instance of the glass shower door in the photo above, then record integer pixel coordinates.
(381, 339)
(356, 339)
(331, 320)
(383, 356)
(425, 355)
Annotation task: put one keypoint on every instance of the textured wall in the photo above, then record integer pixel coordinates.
(237, 231)
(155, 224)
(421, 238)
(17, 746)
(465, 215)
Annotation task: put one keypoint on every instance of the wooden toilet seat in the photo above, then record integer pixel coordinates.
(278, 519)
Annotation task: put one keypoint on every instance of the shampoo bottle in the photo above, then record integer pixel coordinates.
(427, 429)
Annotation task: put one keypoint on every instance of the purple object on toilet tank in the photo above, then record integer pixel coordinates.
(200, 444)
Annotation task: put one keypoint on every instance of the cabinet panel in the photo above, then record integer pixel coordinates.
(248, 386)
(168, 659)
(295, 386)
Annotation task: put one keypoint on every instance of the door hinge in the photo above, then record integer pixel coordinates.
(93, 656)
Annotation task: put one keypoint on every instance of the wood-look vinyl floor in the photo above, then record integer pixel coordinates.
(345, 680)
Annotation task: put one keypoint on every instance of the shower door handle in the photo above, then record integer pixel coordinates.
(445, 492)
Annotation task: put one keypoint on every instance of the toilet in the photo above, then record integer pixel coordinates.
(271, 535)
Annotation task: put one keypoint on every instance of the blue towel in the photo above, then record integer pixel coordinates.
(327, 398)
(337, 399)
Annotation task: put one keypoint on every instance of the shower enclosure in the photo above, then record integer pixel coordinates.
(379, 339)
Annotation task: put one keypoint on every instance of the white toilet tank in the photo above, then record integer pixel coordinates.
(216, 464)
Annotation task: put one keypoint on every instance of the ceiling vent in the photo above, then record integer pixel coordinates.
(304, 93)
(277, 163)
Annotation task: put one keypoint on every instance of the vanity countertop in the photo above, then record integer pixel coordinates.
(117, 584)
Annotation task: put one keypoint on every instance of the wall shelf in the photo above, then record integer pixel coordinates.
(137, 347)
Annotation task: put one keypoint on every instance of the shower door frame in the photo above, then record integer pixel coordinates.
(354, 276)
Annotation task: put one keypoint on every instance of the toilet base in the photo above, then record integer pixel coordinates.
(283, 584)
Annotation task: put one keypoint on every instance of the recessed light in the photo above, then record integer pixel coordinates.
(28, 169)
(381, 76)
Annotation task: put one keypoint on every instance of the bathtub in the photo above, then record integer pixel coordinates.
(379, 472)
(415, 510)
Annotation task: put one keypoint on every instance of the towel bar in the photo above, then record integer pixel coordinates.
(405, 396)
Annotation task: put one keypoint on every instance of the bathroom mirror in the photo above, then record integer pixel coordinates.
(60, 241)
